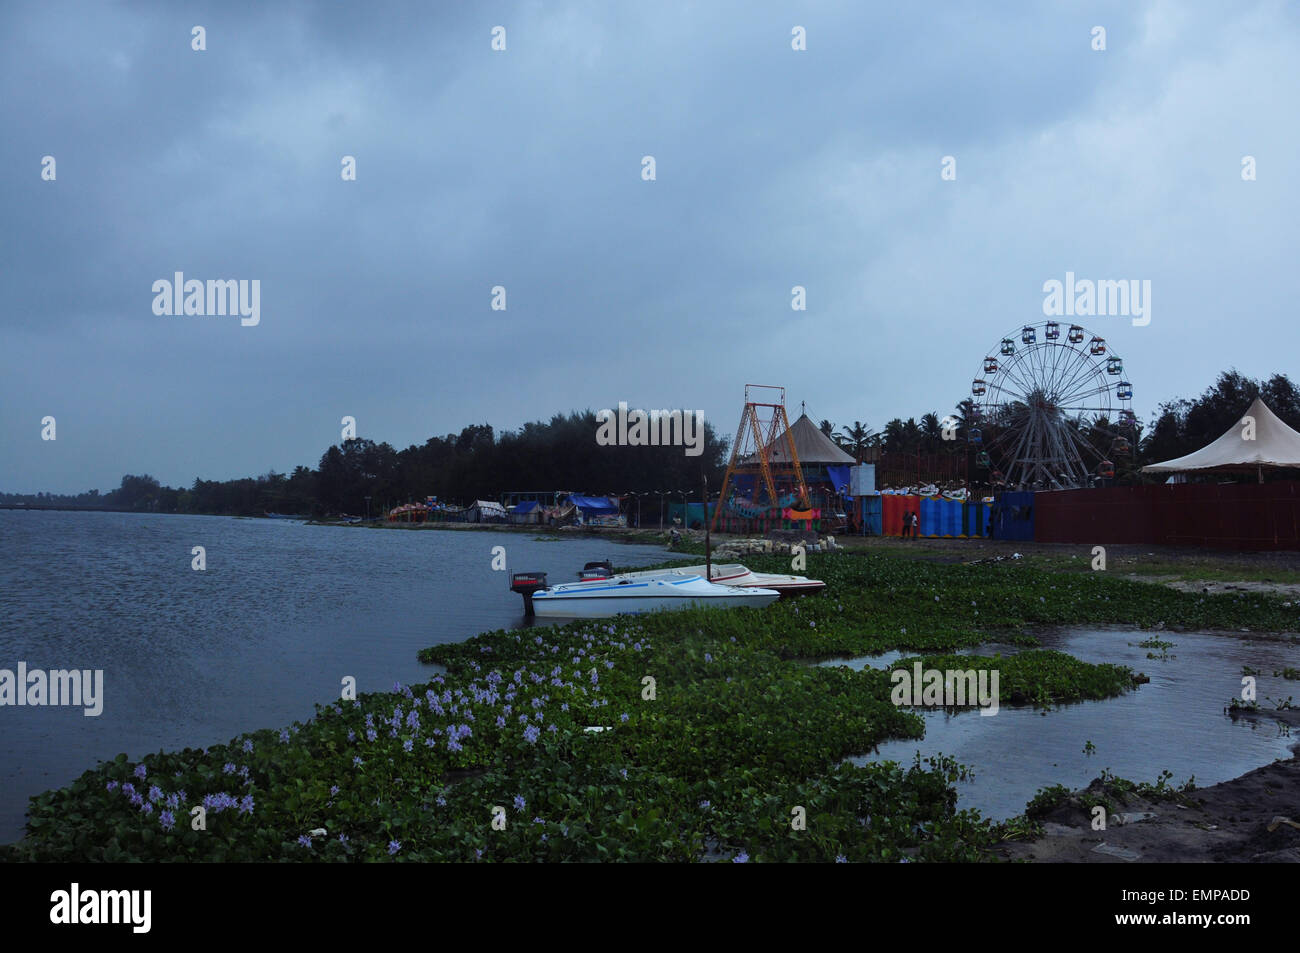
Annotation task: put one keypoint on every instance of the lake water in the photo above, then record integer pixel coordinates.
(1175, 722)
(281, 614)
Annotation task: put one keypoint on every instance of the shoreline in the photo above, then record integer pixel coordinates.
(770, 697)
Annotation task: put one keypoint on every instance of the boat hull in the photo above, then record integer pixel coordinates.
(621, 595)
(737, 576)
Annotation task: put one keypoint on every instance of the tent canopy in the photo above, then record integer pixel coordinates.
(593, 505)
(487, 506)
(813, 447)
(1274, 444)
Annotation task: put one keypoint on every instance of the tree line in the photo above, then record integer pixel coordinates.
(562, 454)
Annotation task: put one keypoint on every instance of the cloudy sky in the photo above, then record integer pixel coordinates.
(523, 168)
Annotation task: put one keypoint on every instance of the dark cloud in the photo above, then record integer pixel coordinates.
(522, 169)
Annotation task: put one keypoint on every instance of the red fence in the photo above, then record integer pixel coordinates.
(1244, 516)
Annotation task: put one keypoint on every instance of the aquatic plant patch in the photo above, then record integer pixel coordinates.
(712, 743)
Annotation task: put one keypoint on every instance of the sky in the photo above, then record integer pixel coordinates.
(523, 168)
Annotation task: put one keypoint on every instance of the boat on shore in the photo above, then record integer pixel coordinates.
(740, 577)
(632, 594)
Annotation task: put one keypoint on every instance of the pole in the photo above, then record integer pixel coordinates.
(708, 558)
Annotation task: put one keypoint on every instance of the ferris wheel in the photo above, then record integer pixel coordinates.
(1050, 409)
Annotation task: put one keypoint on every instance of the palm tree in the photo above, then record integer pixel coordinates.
(931, 432)
(827, 428)
(856, 439)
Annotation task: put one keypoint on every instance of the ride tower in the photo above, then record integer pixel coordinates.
(764, 427)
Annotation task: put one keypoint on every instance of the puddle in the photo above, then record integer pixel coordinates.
(1175, 722)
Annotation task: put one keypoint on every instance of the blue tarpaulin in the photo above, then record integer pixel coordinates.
(594, 505)
(839, 477)
(527, 506)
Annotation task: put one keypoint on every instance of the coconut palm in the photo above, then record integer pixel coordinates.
(856, 439)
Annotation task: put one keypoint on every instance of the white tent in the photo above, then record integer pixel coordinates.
(480, 511)
(1259, 439)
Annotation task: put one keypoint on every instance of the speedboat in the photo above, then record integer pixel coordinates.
(634, 594)
(740, 577)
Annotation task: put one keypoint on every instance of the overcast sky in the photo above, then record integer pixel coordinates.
(523, 168)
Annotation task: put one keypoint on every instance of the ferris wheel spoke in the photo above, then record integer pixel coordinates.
(1082, 371)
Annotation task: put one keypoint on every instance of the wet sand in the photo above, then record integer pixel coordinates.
(1251, 819)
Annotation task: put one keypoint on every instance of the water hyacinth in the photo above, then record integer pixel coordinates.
(520, 803)
(393, 847)
(141, 772)
(166, 820)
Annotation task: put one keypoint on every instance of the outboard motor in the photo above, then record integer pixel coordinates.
(526, 583)
(601, 569)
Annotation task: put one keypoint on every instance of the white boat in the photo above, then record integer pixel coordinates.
(643, 592)
(740, 577)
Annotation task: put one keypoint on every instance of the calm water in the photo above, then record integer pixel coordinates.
(282, 613)
(1175, 722)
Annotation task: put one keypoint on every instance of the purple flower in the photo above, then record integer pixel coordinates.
(112, 786)
(519, 802)
(304, 840)
(147, 808)
(440, 801)
(393, 847)
(708, 657)
(741, 858)
(705, 805)
(167, 820)
(343, 839)
(246, 804)
(531, 734)
(357, 762)
(841, 859)
(136, 800)
(407, 745)
(334, 790)
(501, 721)
(624, 774)
(370, 734)
(141, 771)
(454, 745)
(248, 746)
(155, 793)
(228, 768)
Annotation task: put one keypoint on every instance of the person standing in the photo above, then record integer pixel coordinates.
(907, 524)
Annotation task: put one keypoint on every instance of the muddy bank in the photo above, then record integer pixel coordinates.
(1254, 818)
